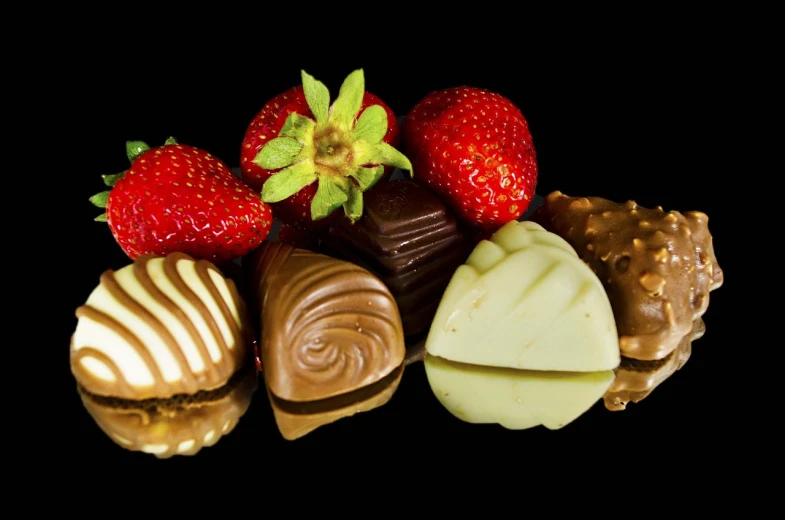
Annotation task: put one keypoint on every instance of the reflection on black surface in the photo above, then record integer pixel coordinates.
(181, 429)
(635, 380)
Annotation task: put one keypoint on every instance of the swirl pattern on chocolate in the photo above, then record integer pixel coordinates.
(657, 267)
(328, 326)
(159, 327)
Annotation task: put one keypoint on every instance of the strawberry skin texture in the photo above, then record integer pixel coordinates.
(295, 210)
(473, 148)
(177, 198)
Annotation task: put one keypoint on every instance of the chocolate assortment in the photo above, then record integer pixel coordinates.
(335, 277)
(410, 241)
(331, 337)
(658, 268)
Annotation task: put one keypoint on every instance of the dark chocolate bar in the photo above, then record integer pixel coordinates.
(410, 241)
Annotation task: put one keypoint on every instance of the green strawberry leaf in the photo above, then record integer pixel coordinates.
(381, 153)
(287, 182)
(349, 100)
(110, 179)
(101, 218)
(317, 96)
(99, 199)
(278, 153)
(332, 193)
(298, 127)
(134, 149)
(353, 207)
(367, 177)
(170, 140)
(372, 124)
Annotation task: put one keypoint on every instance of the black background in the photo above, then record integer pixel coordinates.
(610, 117)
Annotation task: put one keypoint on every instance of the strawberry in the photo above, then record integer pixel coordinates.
(309, 158)
(473, 148)
(179, 198)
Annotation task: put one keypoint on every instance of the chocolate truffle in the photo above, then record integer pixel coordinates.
(657, 267)
(410, 241)
(179, 426)
(331, 337)
(158, 333)
(524, 335)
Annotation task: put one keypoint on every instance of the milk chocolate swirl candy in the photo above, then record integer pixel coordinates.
(331, 335)
(658, 267)
(161, 334)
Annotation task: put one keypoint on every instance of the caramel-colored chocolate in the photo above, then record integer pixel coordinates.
(298, 419)
(329, 327)
(182, 425)
(657, 267)
(636, 379)
(160, 327)
(407, 238)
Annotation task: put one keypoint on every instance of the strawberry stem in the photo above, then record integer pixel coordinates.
(133, 149)
(99, 199)
(111, 179)
(340, 149)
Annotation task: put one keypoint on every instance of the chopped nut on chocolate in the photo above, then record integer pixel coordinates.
(658, 267)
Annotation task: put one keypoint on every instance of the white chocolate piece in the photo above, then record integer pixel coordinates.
(524, 300)
(515, 399)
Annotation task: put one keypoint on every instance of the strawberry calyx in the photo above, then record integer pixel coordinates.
(133, 149)
(343, 153)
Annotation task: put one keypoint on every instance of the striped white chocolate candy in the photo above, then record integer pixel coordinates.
(159, 327)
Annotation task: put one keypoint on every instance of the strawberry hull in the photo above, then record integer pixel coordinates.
(295, 211)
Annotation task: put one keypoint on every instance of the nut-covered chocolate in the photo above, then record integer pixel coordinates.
(328, 327)
(407, 238)
(160, 327)
(658, 267)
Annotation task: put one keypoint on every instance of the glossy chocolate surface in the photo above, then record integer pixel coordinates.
(328, 327)
(295, 420)
(159, 327)
(636, 379)
(657, 267)
(176, 426)
(410, 241)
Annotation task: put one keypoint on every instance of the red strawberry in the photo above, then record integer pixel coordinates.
(179, 198)
(473, 148)
(309, 158)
